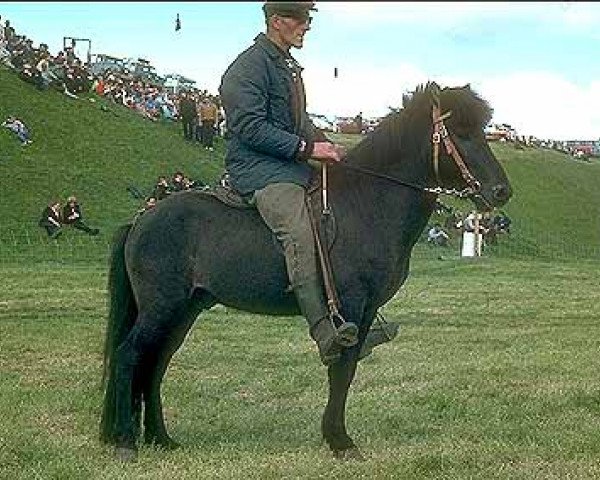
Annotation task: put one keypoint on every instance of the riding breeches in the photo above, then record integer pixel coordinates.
(282, 206)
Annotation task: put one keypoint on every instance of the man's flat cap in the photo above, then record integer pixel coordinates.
(288, 8)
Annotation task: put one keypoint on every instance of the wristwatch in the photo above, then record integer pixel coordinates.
(302, 147)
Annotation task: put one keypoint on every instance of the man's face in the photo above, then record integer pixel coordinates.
(292, 29)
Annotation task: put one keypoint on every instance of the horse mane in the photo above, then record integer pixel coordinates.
(470, 114)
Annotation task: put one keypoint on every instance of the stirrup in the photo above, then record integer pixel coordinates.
(346, 333)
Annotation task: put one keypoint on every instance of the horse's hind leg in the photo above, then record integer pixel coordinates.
(140, 345)
(155, 431)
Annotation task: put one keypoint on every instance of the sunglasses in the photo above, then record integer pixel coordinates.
(299, 17)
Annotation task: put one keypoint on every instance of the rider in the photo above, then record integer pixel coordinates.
(270, 139)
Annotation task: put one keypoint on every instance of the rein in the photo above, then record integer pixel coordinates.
(440, 134)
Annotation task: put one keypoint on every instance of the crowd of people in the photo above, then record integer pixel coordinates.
(489, 225)
(66, 72)
(55, 216)
(165, 187)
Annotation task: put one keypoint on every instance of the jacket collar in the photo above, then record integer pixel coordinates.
(275, 52)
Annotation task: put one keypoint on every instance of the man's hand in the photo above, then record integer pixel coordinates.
(325, 151)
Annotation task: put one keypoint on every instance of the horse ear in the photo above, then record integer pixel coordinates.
(435, 90)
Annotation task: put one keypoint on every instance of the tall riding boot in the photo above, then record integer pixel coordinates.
(330, 337)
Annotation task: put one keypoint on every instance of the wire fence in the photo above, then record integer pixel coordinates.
(28, 247)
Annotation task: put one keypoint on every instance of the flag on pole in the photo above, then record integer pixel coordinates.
(177, 24)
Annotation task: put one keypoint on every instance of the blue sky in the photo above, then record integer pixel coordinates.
(537, 63)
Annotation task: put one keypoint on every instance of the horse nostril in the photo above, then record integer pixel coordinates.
(500, 192)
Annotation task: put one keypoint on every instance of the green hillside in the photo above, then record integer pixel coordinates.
(92, 149)
(95, 150)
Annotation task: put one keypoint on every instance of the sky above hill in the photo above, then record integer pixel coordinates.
(536, 63)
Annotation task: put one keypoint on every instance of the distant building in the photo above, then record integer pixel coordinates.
(500, 131)
(585, 147)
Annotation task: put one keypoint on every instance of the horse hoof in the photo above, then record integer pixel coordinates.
(126, 454)
(352, 453)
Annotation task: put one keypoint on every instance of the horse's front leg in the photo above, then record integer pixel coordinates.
(333, 424)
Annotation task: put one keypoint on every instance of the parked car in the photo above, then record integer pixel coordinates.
(322, 122)
(101, 63)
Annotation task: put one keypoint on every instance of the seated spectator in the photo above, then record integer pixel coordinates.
(161, 189)
(45, 76)
(28, 74)
(177, 184)
(189, 184)
(437, 236)
(17, 126)
(50, 219)
(150, 203)
(502, 222)
(72, 216)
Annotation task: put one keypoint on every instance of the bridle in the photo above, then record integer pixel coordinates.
(440, 134)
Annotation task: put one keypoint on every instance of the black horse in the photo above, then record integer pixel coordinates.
(192, 251)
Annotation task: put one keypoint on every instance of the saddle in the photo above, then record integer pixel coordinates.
(227, 194)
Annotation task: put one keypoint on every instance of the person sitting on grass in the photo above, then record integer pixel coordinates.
(437, 236)
(177, 184)
(161, 189)
(17, 126)
(50, 219)
(72, 216)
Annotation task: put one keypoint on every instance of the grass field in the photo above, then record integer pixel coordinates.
(494, 375)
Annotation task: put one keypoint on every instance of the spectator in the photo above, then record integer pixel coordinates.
(150, 203)
(50, 219)
(502, 222)
(358, 120)
(177, 184)
(44, 76)
(189, 184)
(9, 32)
(72, 216)
(17, 126)
(437, 236)
(189, 114)
(470, 222)
(161, 189)
(208, 115)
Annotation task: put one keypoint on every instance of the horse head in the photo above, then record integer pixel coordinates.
(436, 142)
(461, 157)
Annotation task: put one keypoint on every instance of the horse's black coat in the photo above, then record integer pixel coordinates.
(191, 251)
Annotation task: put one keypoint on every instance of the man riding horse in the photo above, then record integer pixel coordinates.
(270, 140)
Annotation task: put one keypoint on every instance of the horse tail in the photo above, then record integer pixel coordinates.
(121, 318)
